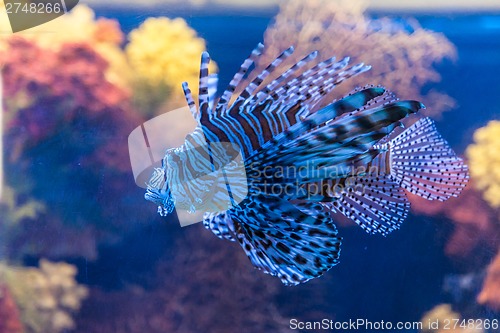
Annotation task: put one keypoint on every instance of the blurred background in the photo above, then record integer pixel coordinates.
(82, 251)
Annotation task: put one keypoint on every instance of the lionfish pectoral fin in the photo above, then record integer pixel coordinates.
(284, 241)
(424, 163)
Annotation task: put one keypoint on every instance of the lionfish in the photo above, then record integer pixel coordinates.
(287, 124)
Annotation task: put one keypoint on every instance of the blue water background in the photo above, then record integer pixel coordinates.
(367, 284)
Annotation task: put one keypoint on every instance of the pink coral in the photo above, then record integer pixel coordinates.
(55, 88)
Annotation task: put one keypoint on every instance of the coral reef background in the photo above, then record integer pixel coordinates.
(81, 251)
(401, 55)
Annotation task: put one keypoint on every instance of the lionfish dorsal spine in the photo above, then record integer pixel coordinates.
(237, 79)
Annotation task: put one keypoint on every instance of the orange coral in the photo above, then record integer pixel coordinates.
(402, 56)
(10, 321)
(490, 294)
(108, 31)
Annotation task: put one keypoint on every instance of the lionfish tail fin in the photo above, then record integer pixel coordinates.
(424, 163)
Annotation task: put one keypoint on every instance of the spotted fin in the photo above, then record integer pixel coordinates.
(284, 241)
(375, 203)
(424, 164)
(255, 83)
(252, 115)
(203, 93)
(267, 90)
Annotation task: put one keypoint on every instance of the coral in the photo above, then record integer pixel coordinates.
(47, 296)
(66, 123)
(402, 56)
(10, 321)
(475, 223)
(65, 128)
(14, 209)
(490, 294)
(163, 53)
(45, 90)
(484, 162)
(77, 26)
(80, 26)
(440, 314)
(475, 214)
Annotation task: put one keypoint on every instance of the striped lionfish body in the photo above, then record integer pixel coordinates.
(306, 158)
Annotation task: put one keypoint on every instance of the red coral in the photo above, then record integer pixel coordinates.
(9, 314)
(490, 294)
(475, 222)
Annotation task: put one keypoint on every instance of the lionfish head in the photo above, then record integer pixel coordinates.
(159, 192)
(187, 174)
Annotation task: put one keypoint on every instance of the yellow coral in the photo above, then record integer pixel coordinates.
(484, 162)
(163, 53)
(47, 296)
(79, 26)
(13, 212)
